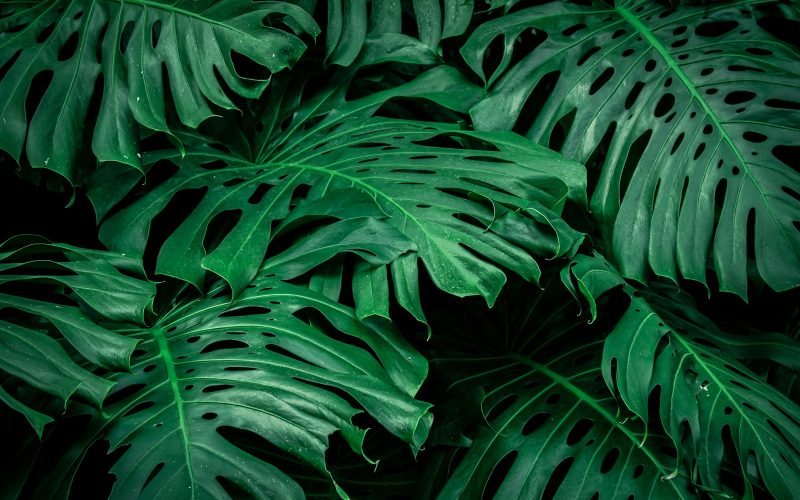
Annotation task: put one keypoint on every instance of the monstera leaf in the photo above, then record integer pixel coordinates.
(471, 202)
(49, 297)
(130, 49)
(280, 365)
(350, 22)
(702, 384)
(690, 117)
(528, 407)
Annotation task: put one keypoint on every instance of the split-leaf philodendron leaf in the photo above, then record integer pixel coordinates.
(128, 51)
(689, 115)
(49, 291)
(470, 202)
(260, 365)
(704, 390)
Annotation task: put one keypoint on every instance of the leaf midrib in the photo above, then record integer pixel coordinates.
(723, 390)
(172, 376)
(588, 400)
(666, 56)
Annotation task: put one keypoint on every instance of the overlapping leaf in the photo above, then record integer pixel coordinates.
(272, 365)
(35, 276)
(471, 202)
(551, 426)
(130, 49)
(351, 22)
(690, 115)
(661, 344)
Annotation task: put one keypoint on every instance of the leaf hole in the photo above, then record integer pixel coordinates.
(245, 311)
(535, 101)
(258, 193)
(739, 67)
(219, 227)
(122, 393)
(226, 344)
(664, 105)
(535, 423)
(561, 129)
(125, 36)
(579, 431)
(772, 103)
(699, 151)
(499, 473)
(217, 388)
(155, 33)
(139, 408)
(574, 29)
(633, 94)
(677, 143)
(739, 96)
(501, 406)
(789, 155)
(609, 461)
(152, 475)
(247, 68)
(69, 47)
(715, 29)
(589, 53)
(601, 80)
(557, 477)
(791, 192)
(634, 156)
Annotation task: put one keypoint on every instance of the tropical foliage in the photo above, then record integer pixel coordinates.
(400, 249)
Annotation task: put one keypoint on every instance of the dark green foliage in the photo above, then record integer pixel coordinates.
(381, 249)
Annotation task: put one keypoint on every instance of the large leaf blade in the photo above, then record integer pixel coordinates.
(66, 40)
(256, 365)
(686, 113)
(704, 387)
(446, 198)
(542, 424)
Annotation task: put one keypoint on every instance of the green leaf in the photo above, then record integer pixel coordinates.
(34, 278)
(36, 419)
(349, 26)
(94, 276)
(661, 343)
(280, 363)
(128, 44)
(375, 241)
(546, 424)
(469, 211)
(689, 116)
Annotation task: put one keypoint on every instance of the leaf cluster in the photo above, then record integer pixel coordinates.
(382, 249)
